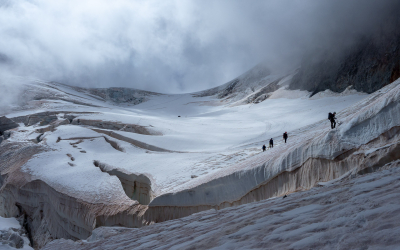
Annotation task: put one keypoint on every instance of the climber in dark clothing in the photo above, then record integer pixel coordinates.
(331, 117)
(264, 147)
(271, 143)
(285, 136)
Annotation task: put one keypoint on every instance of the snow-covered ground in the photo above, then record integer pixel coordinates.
(207, 137)
(89, 160)
(350, 213)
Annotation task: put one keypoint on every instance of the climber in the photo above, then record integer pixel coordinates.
(285, 136)
(331, 117)
(271, 143)
(264, 147)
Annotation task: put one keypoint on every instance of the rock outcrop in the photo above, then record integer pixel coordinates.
(249, 82)
(371, 63)
(43, 118)
(122, 95)
(116, 126)
(6, 124)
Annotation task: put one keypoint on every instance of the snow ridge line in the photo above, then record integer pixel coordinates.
(133, 141)
(113, 144)
(327, 145)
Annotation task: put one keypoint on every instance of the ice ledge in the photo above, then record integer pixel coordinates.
(321, 159)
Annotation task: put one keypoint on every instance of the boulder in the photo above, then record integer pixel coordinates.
(6, 124)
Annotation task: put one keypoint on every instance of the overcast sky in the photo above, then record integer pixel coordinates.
(171, 46)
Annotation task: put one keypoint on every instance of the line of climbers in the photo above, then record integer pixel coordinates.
(271, 142)
(331, 118)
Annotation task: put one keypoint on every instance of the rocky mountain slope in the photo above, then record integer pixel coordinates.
(253, 86)
(369, 63)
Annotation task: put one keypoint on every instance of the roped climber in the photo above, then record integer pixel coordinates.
(285, 136)
(332, 118)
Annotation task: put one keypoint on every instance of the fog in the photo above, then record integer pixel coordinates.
(172, 46)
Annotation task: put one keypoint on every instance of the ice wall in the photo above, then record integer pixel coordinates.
(320, 155)
(367, 139)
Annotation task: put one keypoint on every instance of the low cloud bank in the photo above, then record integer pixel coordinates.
(173, 46)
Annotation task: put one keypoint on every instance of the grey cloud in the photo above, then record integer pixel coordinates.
(174, 46)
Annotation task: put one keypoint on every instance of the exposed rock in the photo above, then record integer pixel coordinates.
(39, 138)
(132, 141)
(122, 95)
(262, 94)
(368, 65)
(253, 79)
(117, 126)
(53, 125)
(45, 118)
(113, 144)
(69, 117)
(42, 118)
(6, 124)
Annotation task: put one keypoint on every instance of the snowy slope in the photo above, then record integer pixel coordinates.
(114, 162)
(198, 140)
(253, 86)
(351, 213)
(312, 148)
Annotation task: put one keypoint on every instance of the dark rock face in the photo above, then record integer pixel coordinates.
(253, 78)
(42, 118)
(122, 95)
(229, 89)
(264, 92)
(6, 124)
(369, 64)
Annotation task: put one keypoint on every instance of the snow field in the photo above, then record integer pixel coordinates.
(352, 213)
(213, 138)
(313, 142)
(209, 157)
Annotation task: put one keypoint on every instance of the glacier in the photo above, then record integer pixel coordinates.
(82, 159)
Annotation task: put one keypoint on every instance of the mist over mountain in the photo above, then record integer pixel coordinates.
(176, 46)
(145, 124)
(369, 62)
